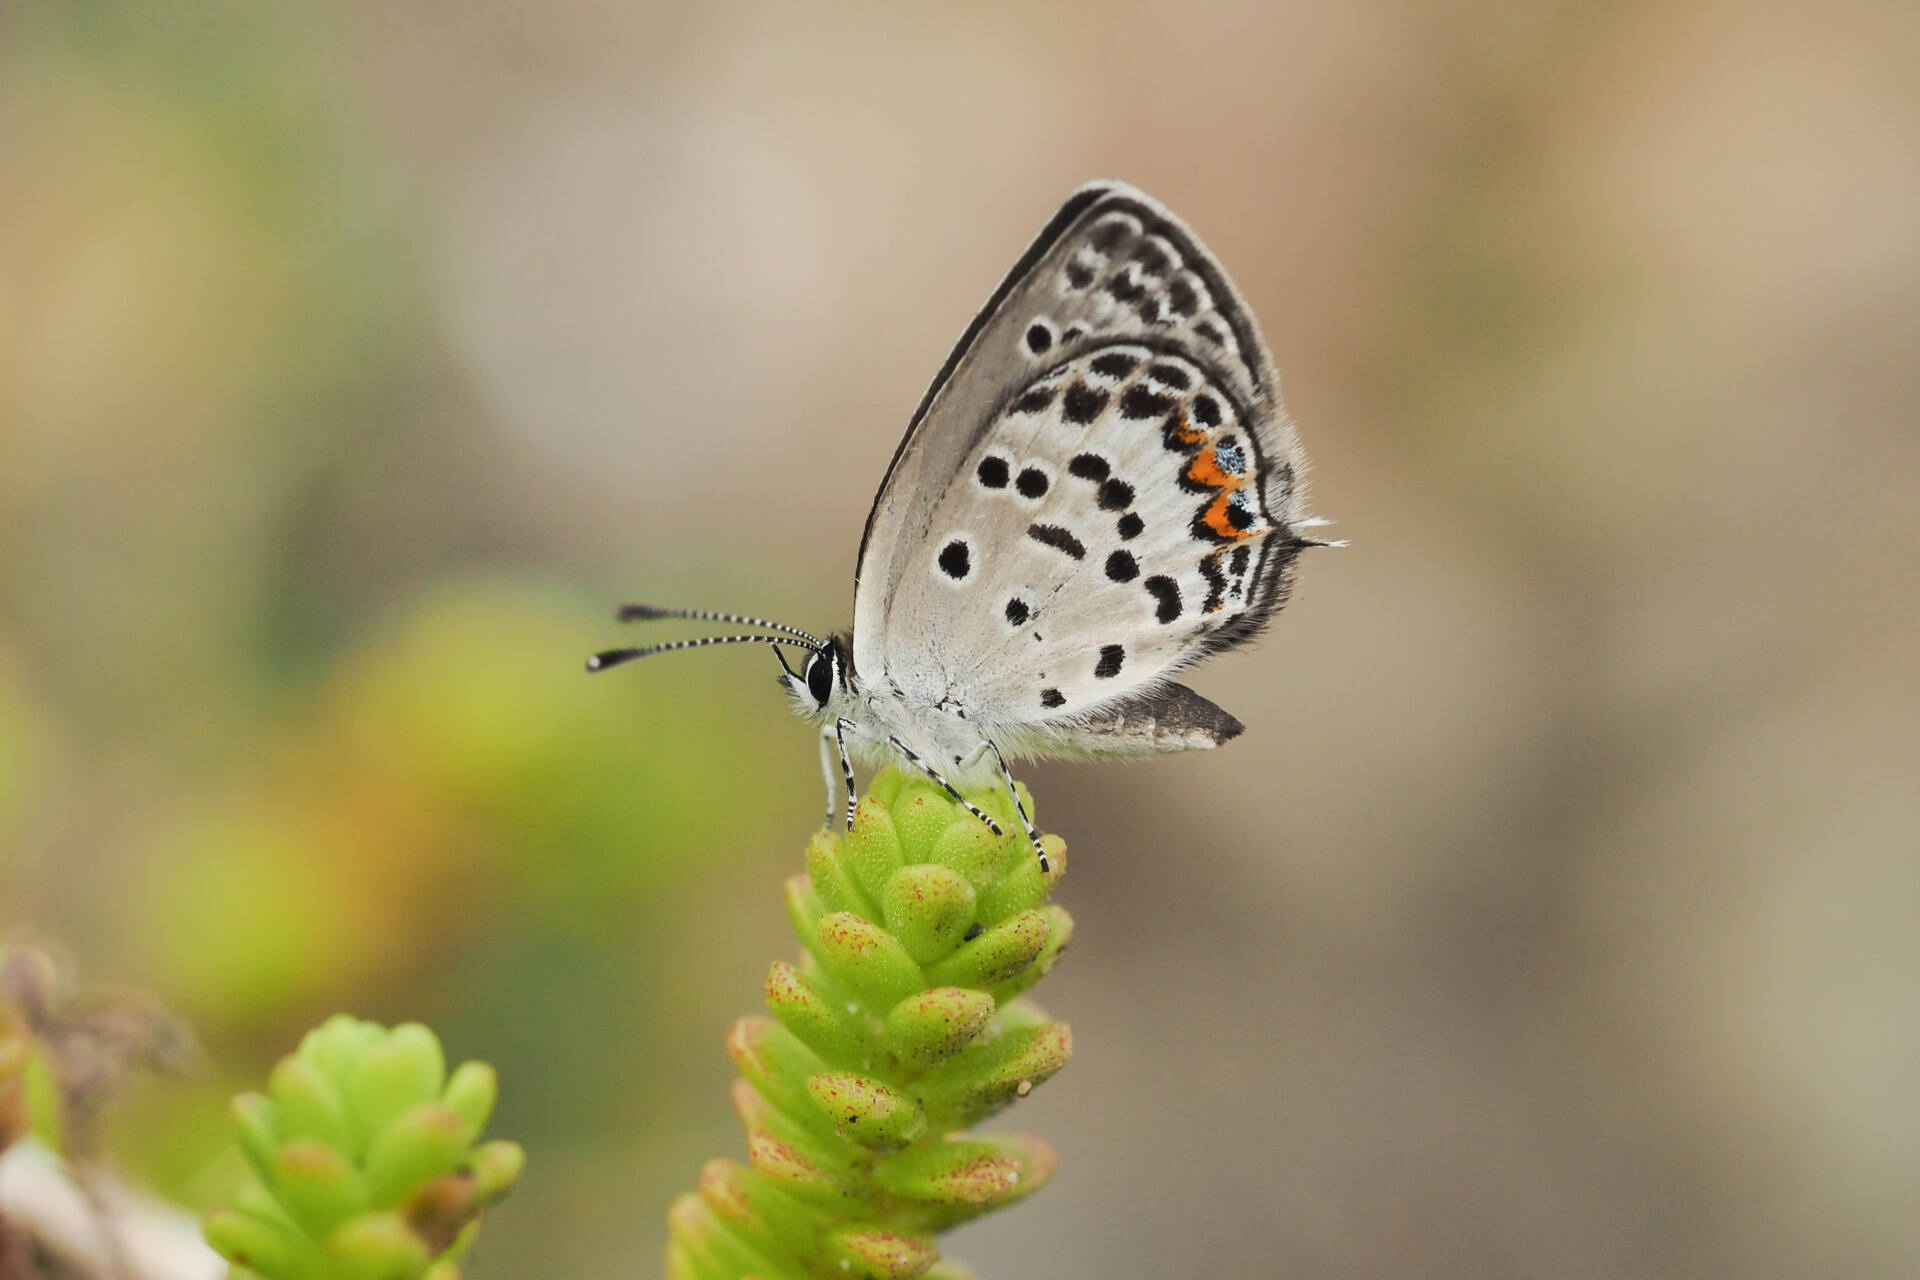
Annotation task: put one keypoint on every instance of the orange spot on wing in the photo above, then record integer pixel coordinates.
(1205, 469)
(1185, 432)
(1215, 518)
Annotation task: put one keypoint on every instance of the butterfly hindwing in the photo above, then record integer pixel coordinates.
(1099, 489)
(1108, 528)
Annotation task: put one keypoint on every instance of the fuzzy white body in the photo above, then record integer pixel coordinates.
(942, 733)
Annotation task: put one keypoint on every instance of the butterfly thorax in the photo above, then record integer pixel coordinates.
(932, 723)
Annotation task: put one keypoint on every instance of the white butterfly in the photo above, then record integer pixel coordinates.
(1099, 489)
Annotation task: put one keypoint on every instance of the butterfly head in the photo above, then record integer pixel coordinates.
(822, 687)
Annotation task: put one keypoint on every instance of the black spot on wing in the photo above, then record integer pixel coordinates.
(1017, 610)
(1122, 567)
(1130, 526)
(1039, 338)
(1088, 466)
(1112, 657)
(1034, 401)
(1171, 375)
(1216, 582)
(1110, 234)
(1032, 483)
(1079, 274)
(1141, 401)
(1206, 410)
(1082, 404)
(955, 560)
(1114, 364)
(993, 473)
(1152, 259)
(1059, 539)
(1052, 698)
(1116, 495)
(1166, 595)
(1182, 298)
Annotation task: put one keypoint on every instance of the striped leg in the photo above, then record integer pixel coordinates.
(933, 773)
(1007, 776)
(840, 728)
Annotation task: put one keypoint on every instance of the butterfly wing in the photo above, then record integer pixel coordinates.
(1099, 488)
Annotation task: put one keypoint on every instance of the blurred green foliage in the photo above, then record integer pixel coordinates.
(286, 722)
(368, 1160)
(444, 826)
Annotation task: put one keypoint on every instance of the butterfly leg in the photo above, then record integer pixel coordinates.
(840, 728)
(933, 773)
(1007, 776)
(826, 775)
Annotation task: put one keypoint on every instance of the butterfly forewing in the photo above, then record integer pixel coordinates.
(1099, 488)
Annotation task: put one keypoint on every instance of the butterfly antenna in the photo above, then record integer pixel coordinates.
(642, 612)
(615, 657)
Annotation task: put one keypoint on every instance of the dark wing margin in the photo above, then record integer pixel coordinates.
(1069, 213)
(1169, 718)
(1271, 587)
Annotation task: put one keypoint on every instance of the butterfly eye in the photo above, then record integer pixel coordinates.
(820, 677)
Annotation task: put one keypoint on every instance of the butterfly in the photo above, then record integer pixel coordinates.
(1099, 490)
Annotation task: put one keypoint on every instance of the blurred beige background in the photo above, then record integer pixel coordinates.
(1554, 917)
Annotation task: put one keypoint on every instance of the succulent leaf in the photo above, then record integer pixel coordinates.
(364, 1147)
(903, 1024)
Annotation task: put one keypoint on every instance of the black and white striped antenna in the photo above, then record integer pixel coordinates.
(615, 657)
(644, 612)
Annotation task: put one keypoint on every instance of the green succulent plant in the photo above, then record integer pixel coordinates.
(904, 1024)
(368, 1161)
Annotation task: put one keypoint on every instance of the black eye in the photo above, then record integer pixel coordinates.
(820, 677)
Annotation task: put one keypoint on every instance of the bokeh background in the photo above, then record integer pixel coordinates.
(1554, 917)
